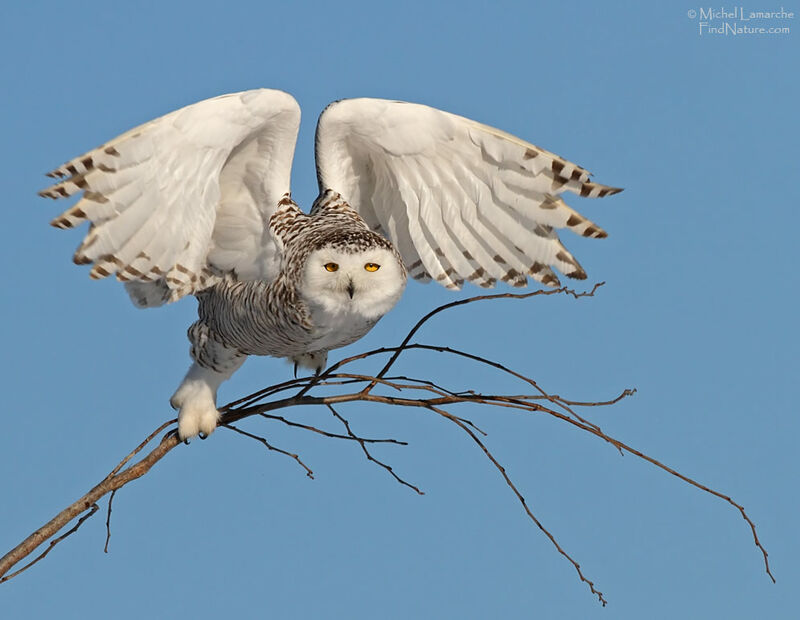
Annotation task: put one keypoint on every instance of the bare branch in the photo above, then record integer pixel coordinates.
(403, 391)
(369, 456)
(520, 497)
(469, 300)
(92, 509)
(325, 433)
(139, 448)
(86, 503)
(603, 403)
(269, 446)
(108, 520)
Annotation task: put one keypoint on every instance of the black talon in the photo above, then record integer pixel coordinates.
(202, 435)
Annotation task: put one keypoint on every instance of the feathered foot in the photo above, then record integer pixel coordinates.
(196, 402)
(316, 361)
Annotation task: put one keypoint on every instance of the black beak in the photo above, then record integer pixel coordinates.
(350, 289)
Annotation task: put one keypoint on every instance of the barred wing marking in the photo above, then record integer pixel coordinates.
(460, 200)
(185, 196)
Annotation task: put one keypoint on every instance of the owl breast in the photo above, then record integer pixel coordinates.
(260, 318)
(332, 330)
(337, 279)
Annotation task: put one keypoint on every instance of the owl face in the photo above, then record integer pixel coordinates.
(366, 282)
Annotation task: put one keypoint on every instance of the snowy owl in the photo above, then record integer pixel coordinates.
(197, 203)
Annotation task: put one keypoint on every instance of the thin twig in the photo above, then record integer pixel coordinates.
(269, 446)
(601, 403)
(139, 448)
(469, 300)
(521, 498)
(108, 520)
(400, 387)
(325, 433)
(482, 360)
(369, 456)
(398, 350)
(268, 391)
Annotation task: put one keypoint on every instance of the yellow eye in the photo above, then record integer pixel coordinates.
(372, 267)
(331, 266)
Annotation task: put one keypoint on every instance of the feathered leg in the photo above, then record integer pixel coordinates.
(196, 397)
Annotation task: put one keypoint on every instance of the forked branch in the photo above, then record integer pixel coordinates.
(326, 390)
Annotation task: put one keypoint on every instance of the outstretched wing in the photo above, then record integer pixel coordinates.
(185, 196)
(460, 200)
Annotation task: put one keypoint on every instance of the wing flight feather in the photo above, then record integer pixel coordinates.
(460, 200)
(185, 197)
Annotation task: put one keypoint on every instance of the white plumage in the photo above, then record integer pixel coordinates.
(197, 202)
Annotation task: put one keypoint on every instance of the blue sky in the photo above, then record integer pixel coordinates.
(698, 313)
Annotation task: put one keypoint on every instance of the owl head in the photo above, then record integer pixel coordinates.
(356, 273)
